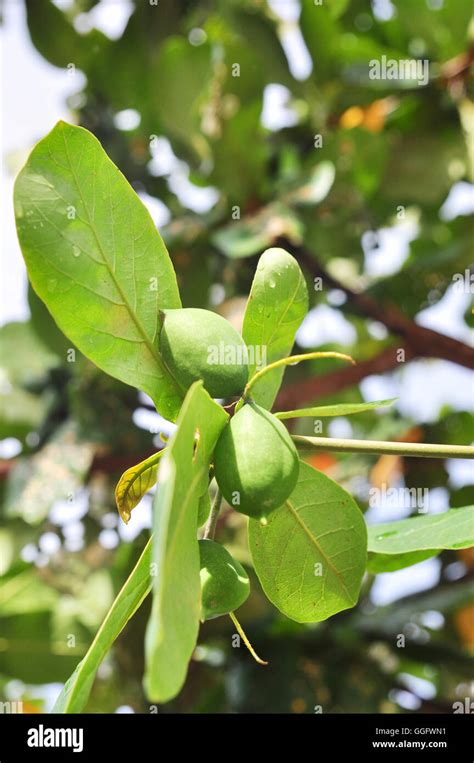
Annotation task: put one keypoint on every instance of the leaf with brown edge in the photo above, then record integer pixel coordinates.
(134, 483)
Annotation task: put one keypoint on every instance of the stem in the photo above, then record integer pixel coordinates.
(244, 638)
(379, 447)
(210, 529)
(293, 360)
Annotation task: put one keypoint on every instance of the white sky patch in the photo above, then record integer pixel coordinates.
(108, 539)
(69, 512)
(198, 199)
(460, 201)
(128, 119)
(461, 472)
(393, 248)
(423, 388)
(296, 52)
(383, 10)
(324, 325)
(276, 114)
(419, 686)
(340, 427)
(291, 39)
(49, 543)
(405, 699)
(152, 422)
(141, 519)
(36, 98)
(390, 586)
(10, 447)
(432, 619)
(163, 159)
(446, 316)
(164, 163)
(159, 211)
(110, 17)
(286, 10)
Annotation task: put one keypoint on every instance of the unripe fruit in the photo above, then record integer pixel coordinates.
(224, 583)
(255, 462)
(198, 344)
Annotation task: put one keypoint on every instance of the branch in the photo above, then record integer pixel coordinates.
(306, 390)
(376, 447)
(422, 341)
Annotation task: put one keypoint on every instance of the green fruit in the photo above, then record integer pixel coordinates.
(198, 344)
(224, 583)
(255, 462)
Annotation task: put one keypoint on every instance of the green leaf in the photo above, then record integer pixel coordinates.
(54, 36)
(184, 72)
(316, 188)
(96, 259)
(75, 693)
(395, 545)
(311, 556)
(253, 233)
(134, 483)
(277, 304)
(340, 409)
(392, 562)
(337, 7)
(184, 472)
(24, 359)
(20, 413)
(204, 508)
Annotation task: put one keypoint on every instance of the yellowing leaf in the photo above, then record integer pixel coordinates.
(134, 483)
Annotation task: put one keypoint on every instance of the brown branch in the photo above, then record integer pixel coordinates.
(422, 342)
(306, 390)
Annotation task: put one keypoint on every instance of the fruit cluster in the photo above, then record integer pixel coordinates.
(255, 461)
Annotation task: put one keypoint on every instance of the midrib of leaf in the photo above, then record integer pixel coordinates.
(153, 351)
(290, 303)
(182, 514)
(314, 541)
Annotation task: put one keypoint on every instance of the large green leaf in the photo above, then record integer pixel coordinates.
(96, 259)
(76, 691)
(184, 472)
(395, 545)
(311, 556)
(277, 304)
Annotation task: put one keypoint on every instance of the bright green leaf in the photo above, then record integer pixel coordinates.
(277, 304)
(395, 545)
(96, 259)
(184, 472)
(339, 409)
(311, 556)
(248, 236)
